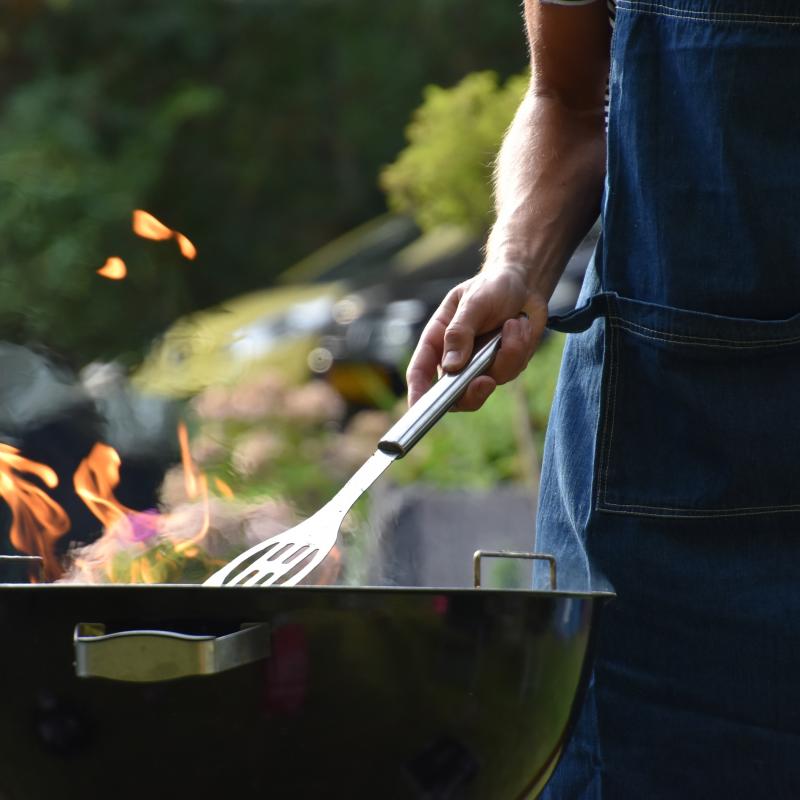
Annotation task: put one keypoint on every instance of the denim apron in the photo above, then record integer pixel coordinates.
(672, 460)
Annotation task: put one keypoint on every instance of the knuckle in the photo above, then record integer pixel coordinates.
(456, 332)
(453, 297)
(415, 377)
(512, 354)
(507, 368)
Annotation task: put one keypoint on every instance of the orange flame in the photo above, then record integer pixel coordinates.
(140, 537)
(188, 250)
(148, 227)
(187, 545)
(224, 489)
(37, 520)
(196, 484)
(95, 480)
(191, 473)
(114, 269)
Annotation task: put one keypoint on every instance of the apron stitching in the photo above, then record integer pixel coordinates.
(710, 16)
(703, 510)
(690, 18)
(701, 341)
(611, 408)
(646, 4)
(688, 513)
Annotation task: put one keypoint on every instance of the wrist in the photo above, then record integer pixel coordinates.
(537, 284)
(516, 269)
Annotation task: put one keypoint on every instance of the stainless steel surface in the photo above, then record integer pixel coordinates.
(480, 554)
(148, 656)
(432, 406)
(288, 557)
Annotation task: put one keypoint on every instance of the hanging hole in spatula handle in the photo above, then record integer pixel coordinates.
(434, 404)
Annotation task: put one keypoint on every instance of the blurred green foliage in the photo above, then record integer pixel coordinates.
(444, 175)
(255, 127)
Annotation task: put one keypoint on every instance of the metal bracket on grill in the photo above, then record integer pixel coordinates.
(479, 554)
(148, 656)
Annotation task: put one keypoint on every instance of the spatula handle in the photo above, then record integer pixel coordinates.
(433, 405)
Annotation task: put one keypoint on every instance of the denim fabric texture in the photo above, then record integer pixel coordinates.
(672, 460)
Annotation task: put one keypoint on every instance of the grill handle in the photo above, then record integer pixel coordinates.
(479, 554)
(146, 656)
(435, 403)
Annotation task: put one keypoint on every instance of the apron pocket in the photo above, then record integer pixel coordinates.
(698, 411)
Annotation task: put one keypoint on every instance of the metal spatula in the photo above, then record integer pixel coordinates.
(288, 557)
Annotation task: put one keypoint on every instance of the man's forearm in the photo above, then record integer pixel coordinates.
(549, 182)
(548, 189)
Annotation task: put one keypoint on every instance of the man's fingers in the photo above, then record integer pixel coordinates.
(515, 350)
(476, 395)
(421, 370)
(429, 351)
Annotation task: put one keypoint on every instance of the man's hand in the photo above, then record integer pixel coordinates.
(491, 299)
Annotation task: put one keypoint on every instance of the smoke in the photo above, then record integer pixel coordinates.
(160, 546)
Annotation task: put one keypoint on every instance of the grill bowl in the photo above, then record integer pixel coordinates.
(360, 693)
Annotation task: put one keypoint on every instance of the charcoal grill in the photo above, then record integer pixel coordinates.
(303, 692)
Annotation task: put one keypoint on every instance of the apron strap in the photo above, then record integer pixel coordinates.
(580, 319)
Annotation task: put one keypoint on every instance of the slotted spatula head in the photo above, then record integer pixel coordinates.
(286, 558)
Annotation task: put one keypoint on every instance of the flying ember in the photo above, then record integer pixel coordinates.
(188, 250)
(114, 269)
(148, 227)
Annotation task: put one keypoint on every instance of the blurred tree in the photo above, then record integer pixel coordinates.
(444, 175)
(255, 127)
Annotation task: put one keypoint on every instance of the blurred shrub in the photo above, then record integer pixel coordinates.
(444, 175)
(264, 436)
